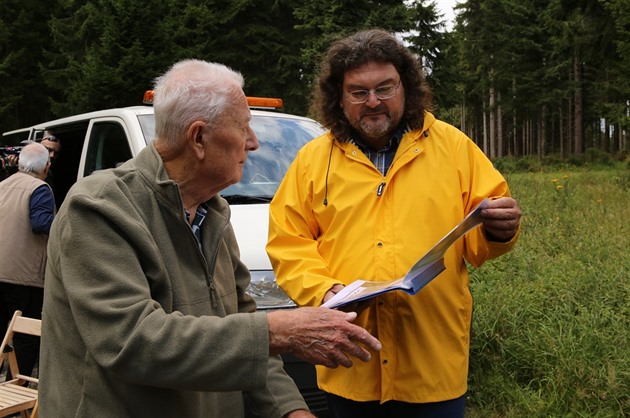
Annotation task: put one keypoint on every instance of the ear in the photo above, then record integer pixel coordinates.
(197, 139)
(45, 173)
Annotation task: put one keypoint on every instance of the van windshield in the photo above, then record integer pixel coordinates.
(280, 139)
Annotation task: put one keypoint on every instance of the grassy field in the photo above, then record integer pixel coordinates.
(551, 325)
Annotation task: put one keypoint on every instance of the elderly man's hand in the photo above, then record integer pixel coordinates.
(300, 413)
(320, 336)
(501, 219)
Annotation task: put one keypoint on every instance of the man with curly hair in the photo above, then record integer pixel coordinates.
(365, 201)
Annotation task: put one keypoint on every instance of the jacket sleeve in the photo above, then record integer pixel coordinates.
(479, 180)
(293, 232)
(280, 396)
(42, 209)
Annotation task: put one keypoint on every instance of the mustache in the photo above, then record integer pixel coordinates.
(380, 109)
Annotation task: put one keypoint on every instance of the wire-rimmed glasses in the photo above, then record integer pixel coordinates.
(382, 93)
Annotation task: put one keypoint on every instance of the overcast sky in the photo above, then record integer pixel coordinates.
(446, 8)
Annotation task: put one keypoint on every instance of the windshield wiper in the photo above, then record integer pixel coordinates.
(241, 199)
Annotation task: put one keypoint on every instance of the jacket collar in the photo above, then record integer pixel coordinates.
(150, 165)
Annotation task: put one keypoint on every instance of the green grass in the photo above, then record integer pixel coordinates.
(551, 323)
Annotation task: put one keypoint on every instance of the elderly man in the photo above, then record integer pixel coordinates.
(28, 209)
(145, 310)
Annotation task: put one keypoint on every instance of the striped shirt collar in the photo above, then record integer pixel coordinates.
(200, 215)
(382, 158)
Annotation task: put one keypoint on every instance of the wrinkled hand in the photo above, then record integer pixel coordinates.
(501, 218)
(320, 336)
(300, 413)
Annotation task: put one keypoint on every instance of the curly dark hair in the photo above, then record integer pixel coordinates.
(373, 45)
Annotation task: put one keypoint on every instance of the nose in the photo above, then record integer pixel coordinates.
(373, 99)
(251, 144)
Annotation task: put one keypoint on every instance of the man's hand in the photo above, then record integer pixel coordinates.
(13, 160)
(501, 219)
(333, 291)
(319, 336)
(300, 413)
(357, 307)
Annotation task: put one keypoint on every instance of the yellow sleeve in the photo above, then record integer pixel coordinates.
(292, 245)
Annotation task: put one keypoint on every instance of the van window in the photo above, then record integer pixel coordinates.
(147, 124)
(108, 147)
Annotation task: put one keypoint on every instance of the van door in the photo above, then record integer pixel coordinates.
(107, 146)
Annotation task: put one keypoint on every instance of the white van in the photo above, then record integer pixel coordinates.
(104, 139)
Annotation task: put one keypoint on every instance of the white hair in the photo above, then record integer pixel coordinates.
(33, 158)
(189, 91)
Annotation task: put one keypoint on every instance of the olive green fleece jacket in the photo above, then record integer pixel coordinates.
(138, 321)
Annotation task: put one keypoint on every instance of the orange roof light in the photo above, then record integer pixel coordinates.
(257, 102)
(265, 102)
(148, 97)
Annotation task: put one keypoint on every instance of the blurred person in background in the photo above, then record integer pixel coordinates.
(53, 145)
(28, 208)
(9, 163)
(9, 158)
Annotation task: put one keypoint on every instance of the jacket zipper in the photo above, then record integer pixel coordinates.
(213, 290)
(379, 191)
(210, 278)
(210, 269)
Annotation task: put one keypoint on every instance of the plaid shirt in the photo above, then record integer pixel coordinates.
(382, 158)
(200, 215)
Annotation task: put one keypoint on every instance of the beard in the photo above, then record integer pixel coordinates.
(369, 128)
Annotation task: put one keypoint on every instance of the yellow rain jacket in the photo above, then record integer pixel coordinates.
(375, 228)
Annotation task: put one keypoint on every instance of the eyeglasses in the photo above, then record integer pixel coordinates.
(382, 92)
(51, 138)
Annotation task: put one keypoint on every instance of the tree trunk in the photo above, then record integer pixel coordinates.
(543, 132)
(517, 154)
(462, 118)
(485, 134)
(606, 138)
(500, 151)
(579, 111)
(561, 133)
(570, 129)
(492, 123)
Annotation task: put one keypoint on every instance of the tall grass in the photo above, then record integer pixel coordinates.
(551, 323)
